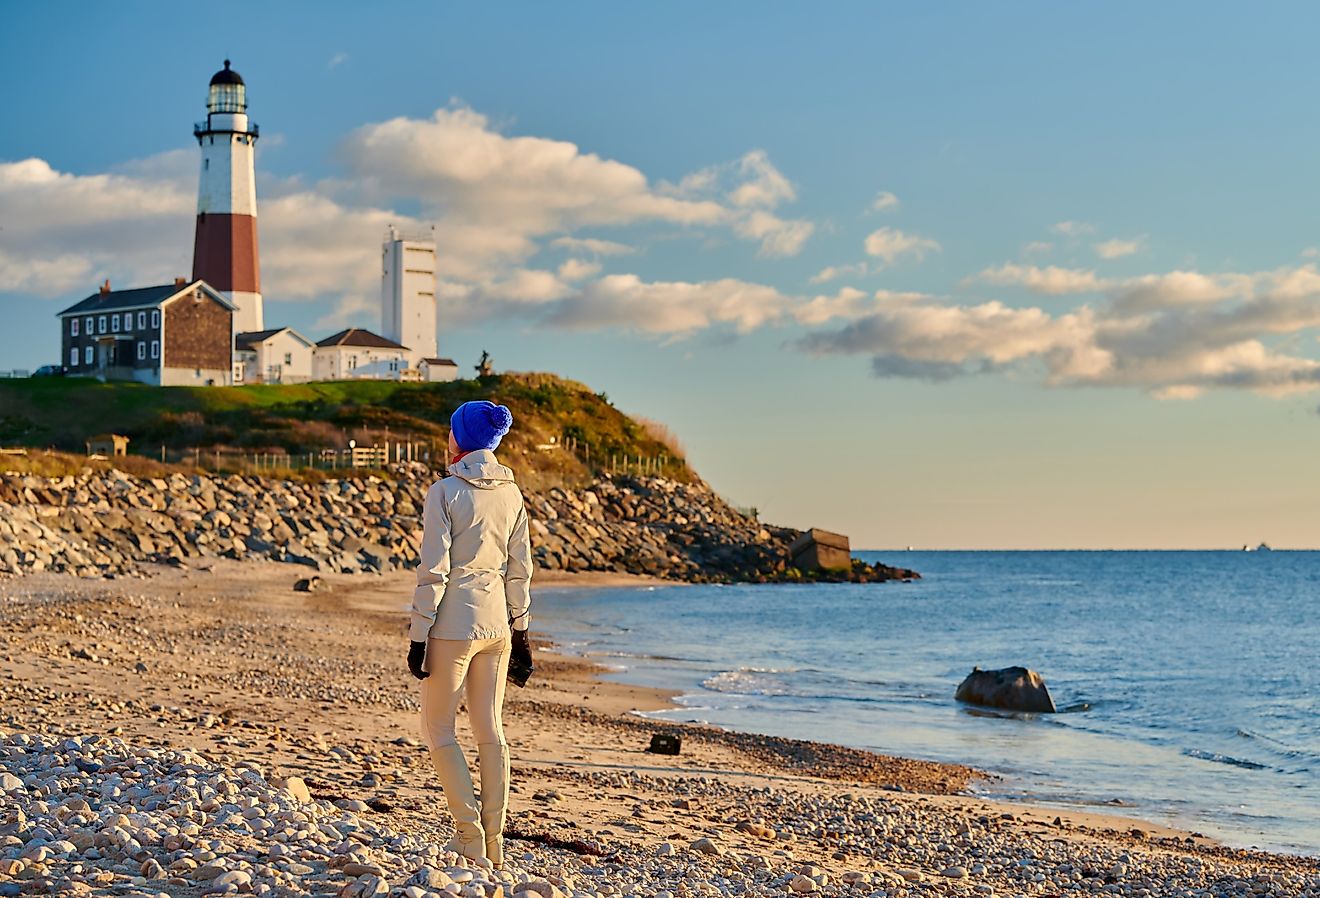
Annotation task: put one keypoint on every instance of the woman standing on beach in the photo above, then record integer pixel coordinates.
(469, 614)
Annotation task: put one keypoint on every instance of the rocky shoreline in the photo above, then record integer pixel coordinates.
(109, 522)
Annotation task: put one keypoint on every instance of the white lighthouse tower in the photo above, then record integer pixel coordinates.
(225, 247)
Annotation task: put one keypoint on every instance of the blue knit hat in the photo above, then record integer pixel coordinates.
(480, 425)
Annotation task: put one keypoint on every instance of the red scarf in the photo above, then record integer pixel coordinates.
(457, 458)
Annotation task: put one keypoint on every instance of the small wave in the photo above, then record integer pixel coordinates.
(749, 681)
(1218, 758)
(646, 657)
(1286, 753)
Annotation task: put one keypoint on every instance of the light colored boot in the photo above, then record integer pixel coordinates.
(469, 838)
(494, 760)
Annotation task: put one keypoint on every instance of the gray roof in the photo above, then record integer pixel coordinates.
(250, 338)
(139, 297)
(441, 362)
(357, 336)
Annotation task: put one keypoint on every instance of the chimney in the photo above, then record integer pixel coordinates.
(180, 282)
(105, 288)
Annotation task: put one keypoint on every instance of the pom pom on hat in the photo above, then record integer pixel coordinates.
(480, 425)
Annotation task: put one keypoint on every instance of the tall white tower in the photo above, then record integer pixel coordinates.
(407, 292)
(225, 247)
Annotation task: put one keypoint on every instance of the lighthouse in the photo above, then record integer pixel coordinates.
(225, 245)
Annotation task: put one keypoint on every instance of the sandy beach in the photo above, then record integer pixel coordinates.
(263, 684)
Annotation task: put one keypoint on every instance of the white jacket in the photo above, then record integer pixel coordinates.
(475, 569)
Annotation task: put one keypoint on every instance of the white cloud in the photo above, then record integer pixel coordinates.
(763, 186)
(671, 308)
(753, 187)
(849, 303)
(834, 272)
(493, 200)
(936, 341)
(1073, 228)
(459, 167)
(337, 60)
(496, 201)
(1174, 335)
(577, 269)
(1117, 248)
(347, 311)
(46, 276)
(885, 202)
(71, 231)
(1037, 247)
(593, 245)
(64, 233)
(779, 237)
(891, 244)
(1051, 280)
(1177, 288)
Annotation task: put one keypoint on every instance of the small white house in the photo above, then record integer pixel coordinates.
(438, 370)
(358, 354)
(278, 356)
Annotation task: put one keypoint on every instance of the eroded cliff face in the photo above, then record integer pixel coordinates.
(108, 522)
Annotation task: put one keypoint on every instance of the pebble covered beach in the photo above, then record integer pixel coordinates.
(208, 730)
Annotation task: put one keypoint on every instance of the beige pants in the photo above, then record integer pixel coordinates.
(481, 665)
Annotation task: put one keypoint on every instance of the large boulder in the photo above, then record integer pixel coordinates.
(1010, 689)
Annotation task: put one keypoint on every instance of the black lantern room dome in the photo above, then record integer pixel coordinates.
(228, 93)
(226, 76)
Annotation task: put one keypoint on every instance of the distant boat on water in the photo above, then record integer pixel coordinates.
(1263, 547)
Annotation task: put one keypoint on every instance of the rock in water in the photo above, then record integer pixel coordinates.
(1011, 688)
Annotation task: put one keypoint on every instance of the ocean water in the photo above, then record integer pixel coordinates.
(1192, 678)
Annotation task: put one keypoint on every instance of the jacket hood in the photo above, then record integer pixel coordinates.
(482, 470)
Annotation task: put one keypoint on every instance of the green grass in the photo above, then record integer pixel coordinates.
(61, 413)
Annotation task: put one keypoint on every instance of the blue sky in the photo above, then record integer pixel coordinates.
(943, 275)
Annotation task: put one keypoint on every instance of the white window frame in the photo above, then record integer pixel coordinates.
(128, 321)
(155, 317)
(288, 358)
(142, 349)
(87, 355)
(73, 356)
(73, 327)
(155, 349)
(142, 321)
(101, 327)
(114, 324)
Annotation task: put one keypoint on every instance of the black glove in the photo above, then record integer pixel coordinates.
(520, 659)
(522, 649)
(416, 657)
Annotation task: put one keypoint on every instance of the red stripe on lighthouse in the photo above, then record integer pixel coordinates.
(225, 252)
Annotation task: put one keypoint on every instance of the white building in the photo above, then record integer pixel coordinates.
(358, 354)
(437, 370)
(407, 292)
(279, 356)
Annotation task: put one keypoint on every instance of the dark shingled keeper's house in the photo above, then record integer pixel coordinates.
(179, 334)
